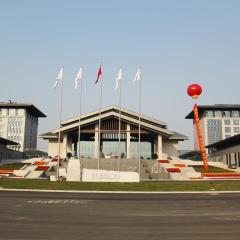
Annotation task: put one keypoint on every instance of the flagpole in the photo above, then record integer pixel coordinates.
(139, 126)
(79, 126)
(119, 123)
(99, 123)
(60, 120)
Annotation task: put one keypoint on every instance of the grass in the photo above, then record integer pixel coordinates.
(211, 169)
(12, 166)
(144, 186)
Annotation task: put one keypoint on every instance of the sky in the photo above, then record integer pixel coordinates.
(176, 43)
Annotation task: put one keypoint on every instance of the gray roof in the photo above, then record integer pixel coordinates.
(48, 135)
(28, 106)
(114, 108)
(221, 107)
(178, 136)
(4, 141)
(226, 143)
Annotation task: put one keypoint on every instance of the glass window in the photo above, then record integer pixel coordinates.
(227, 121)
(209, 113)
(227, 136)
(227, 129)
(236, 122)
(1, 112)
(218, 114)
(226, 114)
(235, 113)
(236, 129)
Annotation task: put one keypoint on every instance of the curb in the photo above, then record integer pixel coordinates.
(119, 192)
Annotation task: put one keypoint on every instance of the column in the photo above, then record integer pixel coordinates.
(67, 145)
(152, 147)
(96, 141)
(158, 146)
(128, 142)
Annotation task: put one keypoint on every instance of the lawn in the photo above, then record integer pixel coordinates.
(144, 186)
(211, 169)
(12, 166)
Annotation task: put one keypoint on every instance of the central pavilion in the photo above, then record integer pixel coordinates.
(156, 138)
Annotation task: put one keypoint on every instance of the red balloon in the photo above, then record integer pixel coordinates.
(194, 90)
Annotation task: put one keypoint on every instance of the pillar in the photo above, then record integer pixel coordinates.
(128, 141)
(158, 146)
(67, 145)
(96, 143)
(152, 148)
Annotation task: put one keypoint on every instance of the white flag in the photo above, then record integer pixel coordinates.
(138, 75)
(59, 77)
(78, 77)
(118, 78)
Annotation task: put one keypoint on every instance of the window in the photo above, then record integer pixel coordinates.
(235, 113)
(236, 122)
(227, 121)
(16, 112)
(218, 114)
(236, 130)
(214, 129)
(226, 114)
(1, 112)
(209, 113)
(227, 129)
(227, 136)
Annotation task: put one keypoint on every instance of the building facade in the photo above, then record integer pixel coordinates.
(19, 123)
(217, 122)
(155, 136)
(226, 151)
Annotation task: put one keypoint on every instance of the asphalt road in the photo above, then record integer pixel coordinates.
(31, 215)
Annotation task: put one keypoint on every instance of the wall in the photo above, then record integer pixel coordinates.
(170, 147)
(30, 135)
(6, 153)
(228, 156)
(53, 148)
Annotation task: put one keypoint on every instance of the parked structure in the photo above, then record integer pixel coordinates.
(155, 136)
(19, 123)
(226, 151)
(218, 122)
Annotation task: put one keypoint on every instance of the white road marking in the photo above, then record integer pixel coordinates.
(59, 201)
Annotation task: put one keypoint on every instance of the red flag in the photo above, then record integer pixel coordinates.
(99, 74)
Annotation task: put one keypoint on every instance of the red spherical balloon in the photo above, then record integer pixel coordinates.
(194, 90)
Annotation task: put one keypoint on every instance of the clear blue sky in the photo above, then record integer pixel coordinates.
(175, 42)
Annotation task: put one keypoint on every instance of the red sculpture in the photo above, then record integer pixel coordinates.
(194, 91)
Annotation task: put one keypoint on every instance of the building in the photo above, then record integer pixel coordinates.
(226, 151)
(19, 123)
(155, 136)
(6, 153)
(217, 122)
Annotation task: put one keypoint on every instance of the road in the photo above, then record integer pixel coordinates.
(34, 215)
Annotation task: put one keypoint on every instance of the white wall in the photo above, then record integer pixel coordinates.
(170, 147)
(53, 148)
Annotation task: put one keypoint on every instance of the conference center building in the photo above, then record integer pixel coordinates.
(157, 141)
